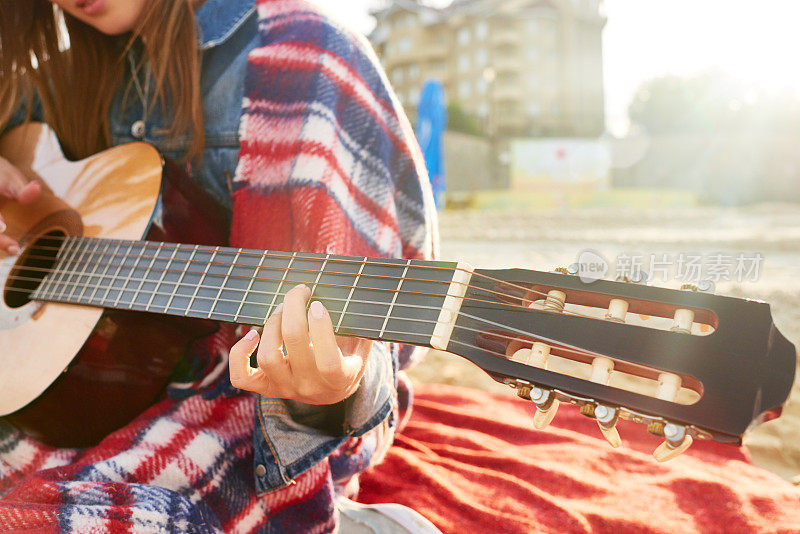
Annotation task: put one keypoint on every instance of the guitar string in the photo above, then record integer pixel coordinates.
(258, 320)
(92, 275)
(562, 348)
(279, 254)
(89, 261)
(116, 277)
(367, 275)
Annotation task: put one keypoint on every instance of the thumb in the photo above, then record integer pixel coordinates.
(242, 375)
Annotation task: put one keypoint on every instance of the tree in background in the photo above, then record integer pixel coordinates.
(459, 120)
(712, 102)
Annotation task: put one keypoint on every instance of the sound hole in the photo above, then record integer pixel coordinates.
(36, 262)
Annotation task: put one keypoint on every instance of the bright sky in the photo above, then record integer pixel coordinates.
(758, 41)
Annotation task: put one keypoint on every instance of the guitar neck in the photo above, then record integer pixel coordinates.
(386, 299)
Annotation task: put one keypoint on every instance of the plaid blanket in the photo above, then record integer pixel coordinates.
(327, 163)
(469, 459)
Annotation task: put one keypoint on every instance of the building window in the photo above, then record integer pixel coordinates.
(533, 80)
(404, 45)
(463, 36)
(413, 97)
(464, 90)
(481, 58)
(413, 71)
(483, 109)
(534, 108)
(463, 63)
(481, 31)
(533, 53)
(397, 76)
(481, 85)
(532, 26)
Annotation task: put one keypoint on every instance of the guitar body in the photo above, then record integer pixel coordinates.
(118, 361)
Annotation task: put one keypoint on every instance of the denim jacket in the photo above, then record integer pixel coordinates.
(287, 437)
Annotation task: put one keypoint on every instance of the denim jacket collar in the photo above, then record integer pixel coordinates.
(218, 19)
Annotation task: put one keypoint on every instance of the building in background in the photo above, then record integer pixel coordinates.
(521, 68)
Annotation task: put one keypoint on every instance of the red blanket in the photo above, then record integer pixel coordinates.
(471, 462)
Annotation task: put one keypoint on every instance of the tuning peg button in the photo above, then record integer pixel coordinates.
(546, 407)
(607, 421)
(676, 442)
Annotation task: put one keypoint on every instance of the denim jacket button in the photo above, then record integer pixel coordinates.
(137, 129)
(261, 470)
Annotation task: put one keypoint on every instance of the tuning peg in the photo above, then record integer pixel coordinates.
(607, 421)
(605, 415)
(668, 386)
(676, 441)
(554, 302)
(684, 319)
(546, 407)
(617, 310)
(536, 356)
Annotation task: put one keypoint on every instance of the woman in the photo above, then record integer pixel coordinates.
(285, 120)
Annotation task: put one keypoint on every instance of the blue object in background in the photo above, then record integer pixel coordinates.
(431, 124)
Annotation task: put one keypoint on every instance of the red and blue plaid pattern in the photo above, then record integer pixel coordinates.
(327, 163)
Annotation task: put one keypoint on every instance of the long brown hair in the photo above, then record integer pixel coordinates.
(75, 70)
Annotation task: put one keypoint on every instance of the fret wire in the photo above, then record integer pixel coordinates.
(183, 276)
(79, 271)
(147, 273)
(350, 295)
(250, 285)
(316, 281)
(49, 280)
(161, 279)
(73, 251)
(394, 297)
(224, 281)
(105, 271)
(94, 269)
(202, 278)
(64, 263)
(280, 286)
(127, 279)
(116, 274)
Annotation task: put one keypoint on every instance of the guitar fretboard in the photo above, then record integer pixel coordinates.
(390, 299)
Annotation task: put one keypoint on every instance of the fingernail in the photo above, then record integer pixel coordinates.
(303, 287)
(278, 309)
(3, 227)
(13, 250)
(251, 335)
(317, 310)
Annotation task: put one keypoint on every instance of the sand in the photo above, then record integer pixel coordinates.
(544, 241)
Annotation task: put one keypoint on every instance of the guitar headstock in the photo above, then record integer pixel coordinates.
(687, 364)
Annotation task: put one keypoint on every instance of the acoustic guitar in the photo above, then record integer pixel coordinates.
(124, 263)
